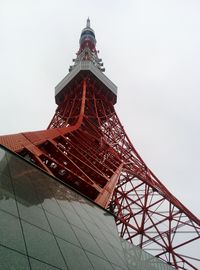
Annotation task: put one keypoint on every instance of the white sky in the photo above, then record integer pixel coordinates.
(151, 51)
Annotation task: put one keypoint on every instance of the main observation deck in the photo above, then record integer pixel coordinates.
(78, 70)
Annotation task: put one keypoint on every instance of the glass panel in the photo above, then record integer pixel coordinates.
(17, 165)
(114, 257)
(98, 263)
(38, 265)
(76, 258)
(42, 245)
(7, 198)
(81, 212)
(112, 239)
(10, 259)
(95, 231)
(34, 215)
(74, 219)
(88, 242)
(3, 163)
(62, 229)
(119, 268)
(10, 232)
(52, 207)
(24, 190)
(138, 259)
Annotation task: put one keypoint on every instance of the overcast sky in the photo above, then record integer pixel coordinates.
(151, 51)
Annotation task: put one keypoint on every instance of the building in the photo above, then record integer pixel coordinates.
(45, 224)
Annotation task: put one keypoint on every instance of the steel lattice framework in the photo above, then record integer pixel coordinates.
(87, 147)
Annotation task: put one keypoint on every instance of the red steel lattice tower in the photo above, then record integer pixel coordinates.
(87, 147)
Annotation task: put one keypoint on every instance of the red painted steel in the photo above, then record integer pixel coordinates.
(86, 146)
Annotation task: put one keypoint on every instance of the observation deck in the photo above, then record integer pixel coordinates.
(79, 71)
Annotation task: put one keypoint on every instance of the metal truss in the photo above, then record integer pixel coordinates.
(86, 146)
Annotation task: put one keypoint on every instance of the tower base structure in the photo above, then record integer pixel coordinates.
(86, 147)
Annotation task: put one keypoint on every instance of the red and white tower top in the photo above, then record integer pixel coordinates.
(87, 50)
(87, 60)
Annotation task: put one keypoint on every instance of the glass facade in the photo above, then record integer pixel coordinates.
(46, 225)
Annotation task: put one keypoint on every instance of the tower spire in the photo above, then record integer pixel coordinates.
(88, 23)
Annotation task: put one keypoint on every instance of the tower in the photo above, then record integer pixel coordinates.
(85, 145)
